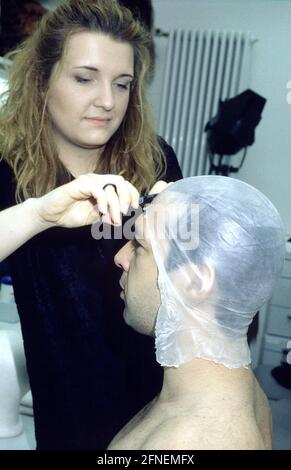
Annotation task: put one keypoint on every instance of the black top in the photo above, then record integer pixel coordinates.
(89, 372)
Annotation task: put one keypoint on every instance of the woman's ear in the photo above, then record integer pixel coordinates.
(202, 282)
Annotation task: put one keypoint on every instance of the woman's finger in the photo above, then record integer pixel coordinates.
(158, 187)
(86, 187)
(124, 196)
(101, 199)
(128, 195)
(112, 193)
(113, 203)
(134, 195)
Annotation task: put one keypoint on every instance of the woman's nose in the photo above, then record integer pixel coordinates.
(123, 256)
(105, 96)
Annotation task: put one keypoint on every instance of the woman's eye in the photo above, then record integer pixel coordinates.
(123, 86)
(82, 79)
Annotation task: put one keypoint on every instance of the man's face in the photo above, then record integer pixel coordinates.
(139, 281)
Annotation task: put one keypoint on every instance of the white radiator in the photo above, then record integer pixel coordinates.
(201, 68)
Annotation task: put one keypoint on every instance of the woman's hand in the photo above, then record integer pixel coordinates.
(83, 201)
(159, 186)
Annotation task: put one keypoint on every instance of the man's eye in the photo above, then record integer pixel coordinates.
(135, 243)
(82, 79)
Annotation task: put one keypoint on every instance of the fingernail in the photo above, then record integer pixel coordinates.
(125, 208)
(117, 220)
(103, 210)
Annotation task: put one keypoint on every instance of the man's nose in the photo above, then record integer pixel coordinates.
(123, 256)
(105, 96)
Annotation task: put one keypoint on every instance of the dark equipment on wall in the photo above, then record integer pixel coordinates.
(233, 129)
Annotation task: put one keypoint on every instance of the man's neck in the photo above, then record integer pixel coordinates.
(201, 382)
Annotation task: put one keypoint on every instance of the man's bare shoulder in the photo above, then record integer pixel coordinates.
(205, 434)
(243, 426)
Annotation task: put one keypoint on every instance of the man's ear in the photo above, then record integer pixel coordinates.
(201, 287)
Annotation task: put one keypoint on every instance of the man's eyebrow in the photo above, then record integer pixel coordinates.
(94, 69)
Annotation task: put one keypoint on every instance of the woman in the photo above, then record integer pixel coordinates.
(77, 105)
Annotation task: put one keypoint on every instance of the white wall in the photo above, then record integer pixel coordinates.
(268, 163)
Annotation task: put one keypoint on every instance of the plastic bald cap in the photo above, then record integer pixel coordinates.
(219, 246)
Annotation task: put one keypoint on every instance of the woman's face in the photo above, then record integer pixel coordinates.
(89, 90)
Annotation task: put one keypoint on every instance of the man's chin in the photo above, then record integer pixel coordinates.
(125, 316)
(133, 324)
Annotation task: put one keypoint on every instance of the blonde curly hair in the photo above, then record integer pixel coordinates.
(26, 142)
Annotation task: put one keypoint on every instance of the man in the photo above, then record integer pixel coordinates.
(205, 258)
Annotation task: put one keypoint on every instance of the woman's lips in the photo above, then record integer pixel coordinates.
(98, 121)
